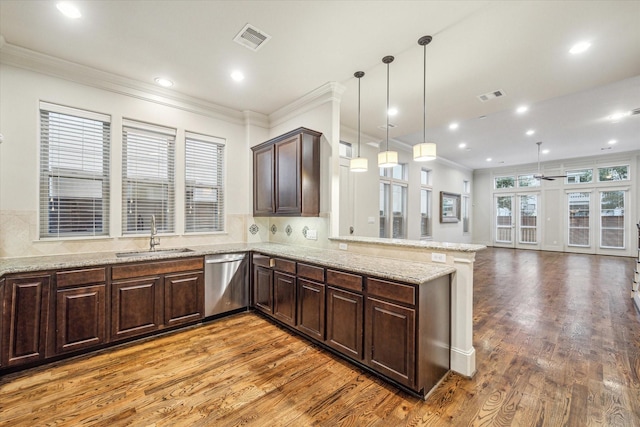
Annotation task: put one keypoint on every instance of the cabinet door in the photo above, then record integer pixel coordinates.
(183, 298)
(284, 298)
(287, 188)
(390, 340)
(80, 317)
(136, 307)
(344, 322)
(311, 308)
(263, 289)
(263, 181)
(25, 315)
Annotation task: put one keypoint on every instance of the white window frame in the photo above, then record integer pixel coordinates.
(426, 194)
(387, 178)
(148, 141)
(204, 180)
(78, 167)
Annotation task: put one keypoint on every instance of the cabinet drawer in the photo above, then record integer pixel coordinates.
(344, 280)
(393, 291)
(81, 277)
(261, 260)
(130, 271)
(311, 272)
(285, 265)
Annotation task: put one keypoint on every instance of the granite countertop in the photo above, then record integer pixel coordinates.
(388, 268)
(421, 244)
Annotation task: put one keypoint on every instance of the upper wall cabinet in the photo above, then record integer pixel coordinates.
(286, 175)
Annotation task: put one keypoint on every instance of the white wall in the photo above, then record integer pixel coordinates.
(22, 91)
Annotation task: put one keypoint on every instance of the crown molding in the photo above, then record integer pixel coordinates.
(328, 92)
(45, 64)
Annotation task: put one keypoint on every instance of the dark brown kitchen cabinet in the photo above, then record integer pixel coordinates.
(284, 298)
(81, 305)
(311, 297)
(286, 175)
(136, 307)
(390, 340)
(344, 322)
(1, 316)
(25, 314)
(183, 298)
(263, 288)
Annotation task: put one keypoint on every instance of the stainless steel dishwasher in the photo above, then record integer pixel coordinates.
(226, 284)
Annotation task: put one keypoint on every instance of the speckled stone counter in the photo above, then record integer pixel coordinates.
(418, 244)
(393, 269)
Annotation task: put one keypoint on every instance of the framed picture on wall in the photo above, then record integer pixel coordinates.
(449, 207)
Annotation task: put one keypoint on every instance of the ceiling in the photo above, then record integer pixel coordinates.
(518, 47)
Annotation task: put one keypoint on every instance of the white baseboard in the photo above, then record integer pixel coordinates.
(463, 362)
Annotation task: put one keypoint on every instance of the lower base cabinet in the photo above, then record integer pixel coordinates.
(344, 322)
(183, 298)
(136, 307)
(284, 298)
(390, 340)
(24, 319)
(80, 317)
(311, 297)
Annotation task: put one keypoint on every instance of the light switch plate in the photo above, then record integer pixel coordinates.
(312, 234)
(342, 246)
(371, 220)
(438, 257)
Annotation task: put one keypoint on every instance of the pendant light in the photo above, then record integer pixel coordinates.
(359, 164)
(424, 151)
(387, 159)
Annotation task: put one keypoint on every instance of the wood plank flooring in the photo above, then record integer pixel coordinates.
(556, 335)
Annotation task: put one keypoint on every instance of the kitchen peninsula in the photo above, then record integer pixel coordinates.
(392, 293)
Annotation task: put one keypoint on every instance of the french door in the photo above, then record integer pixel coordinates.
(516, 220)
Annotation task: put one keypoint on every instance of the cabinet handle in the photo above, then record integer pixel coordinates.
(272, 262)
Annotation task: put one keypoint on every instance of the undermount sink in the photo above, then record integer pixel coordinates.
(152, 253)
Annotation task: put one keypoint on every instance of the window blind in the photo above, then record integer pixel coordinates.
(148, 179)
(204, 183)
(74, 172)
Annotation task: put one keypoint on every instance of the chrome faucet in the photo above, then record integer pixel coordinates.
(153, 240)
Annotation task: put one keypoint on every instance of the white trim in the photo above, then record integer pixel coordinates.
(204, 138)
(150, 127)
(71, 111)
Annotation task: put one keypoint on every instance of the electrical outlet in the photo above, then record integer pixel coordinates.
(342, 246)
(371, 220)
(438, 257)
(312, 234)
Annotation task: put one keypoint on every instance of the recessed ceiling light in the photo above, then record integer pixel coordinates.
(453, 126)
(237, 76)
(616, 117)
(612, 141)
(489, 159)
(392, 111)
(545, 151)
(68, 10)
(522, 109)
(531, 132)
(579, 48)
(462, 145)
(163, 82)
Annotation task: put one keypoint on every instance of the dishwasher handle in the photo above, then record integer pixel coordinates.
(219, 259)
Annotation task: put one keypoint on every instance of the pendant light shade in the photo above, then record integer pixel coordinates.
(359, 164)
(387, 159)
(424, 151)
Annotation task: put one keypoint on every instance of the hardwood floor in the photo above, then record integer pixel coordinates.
(556, 335)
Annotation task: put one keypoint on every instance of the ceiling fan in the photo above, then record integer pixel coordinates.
(541, 175)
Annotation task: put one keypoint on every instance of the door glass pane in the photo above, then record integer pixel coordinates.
(528, 219)
(425, 213)
(384, 209)
(612, 219)
(579, 219)
(504, 212)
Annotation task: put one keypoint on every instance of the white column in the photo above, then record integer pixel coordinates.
(463, 355)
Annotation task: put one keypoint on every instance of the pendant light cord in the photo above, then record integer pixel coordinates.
(359, 115)
(424, 97)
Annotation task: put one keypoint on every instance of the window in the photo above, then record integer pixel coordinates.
(204, 183)
(505, 182)
(345, 150)
(613, 173)
(528, 181)
(148, 153)
(579, 176)
(393, 202)
(426, 194)
(579, 218)
(74, 172)
(612, 219)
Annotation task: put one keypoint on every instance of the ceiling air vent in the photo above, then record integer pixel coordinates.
(251, 37)
(491, 95)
